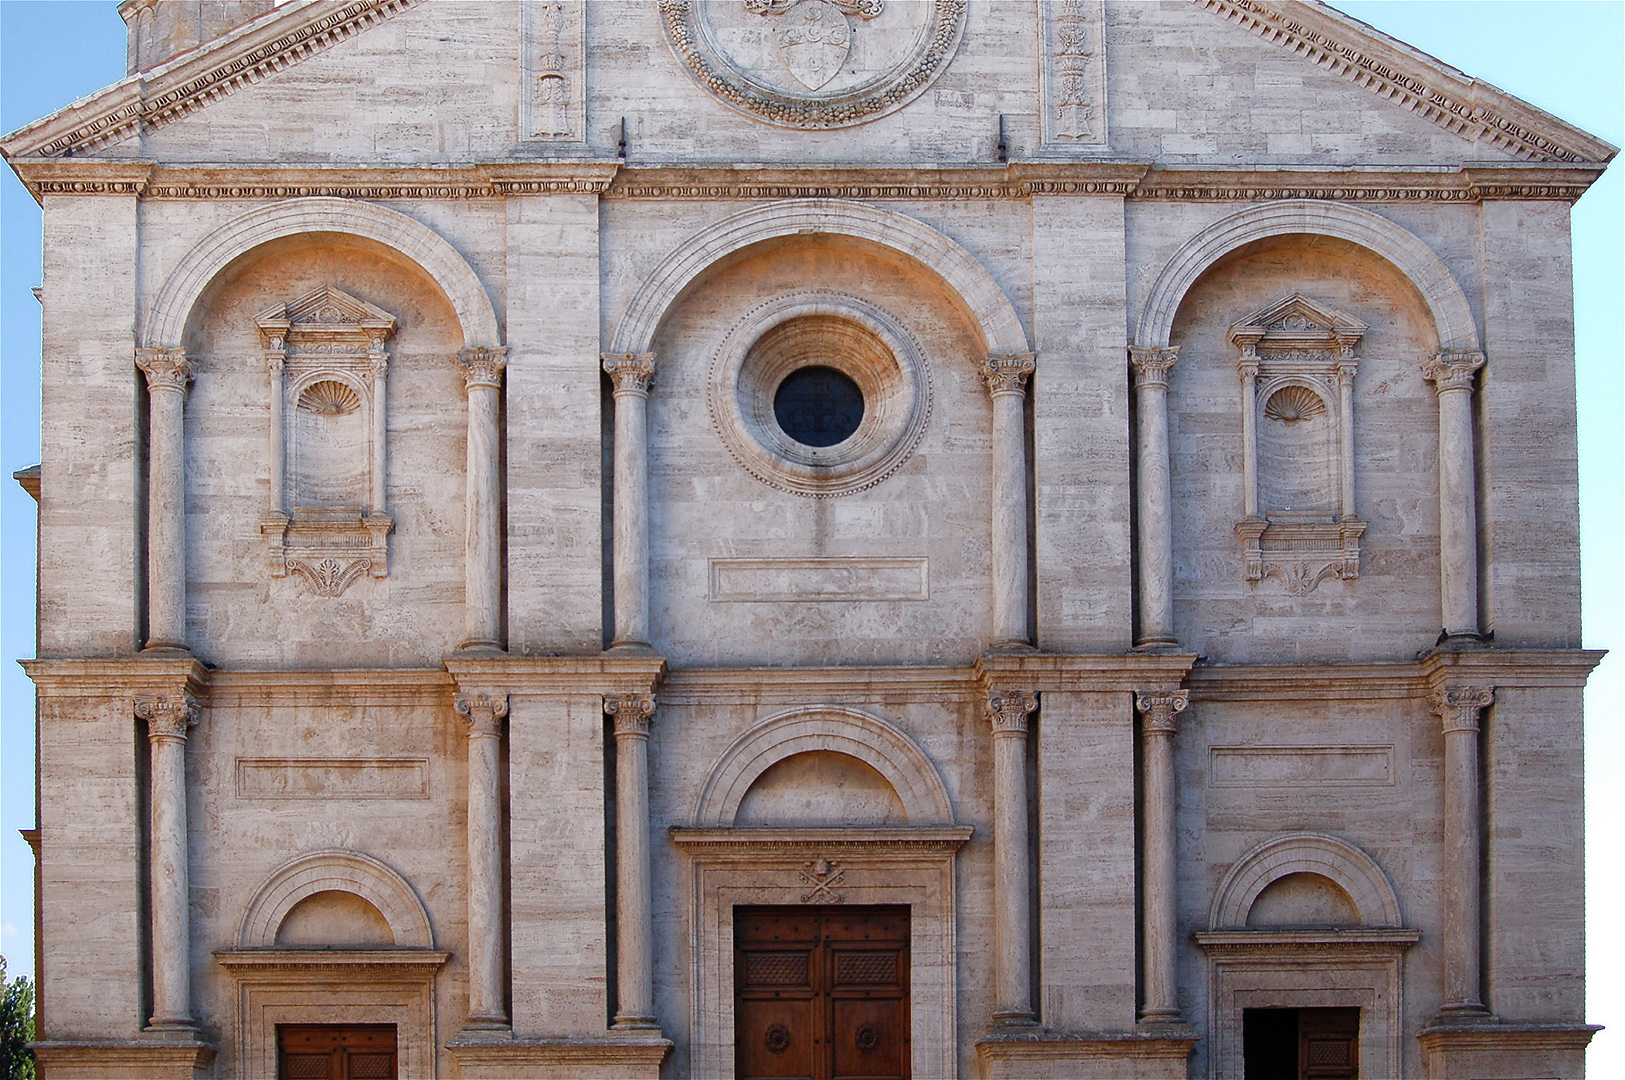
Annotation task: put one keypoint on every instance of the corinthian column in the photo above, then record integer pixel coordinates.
(1158, 710)
(484, 713)
(167, 720)
(633, 907)
(1012, 870)
(1458, 708)
(168, 371)
(631, 374)
(1006, 378)
(1154, 502)
(482, 604)
(1452, 376)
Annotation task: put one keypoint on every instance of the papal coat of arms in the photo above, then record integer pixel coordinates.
(814, 63)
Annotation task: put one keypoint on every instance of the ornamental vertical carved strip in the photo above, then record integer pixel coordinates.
(552, 99)
(1073, 73)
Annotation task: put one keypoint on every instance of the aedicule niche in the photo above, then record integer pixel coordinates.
(325, 357)
(1297, 370)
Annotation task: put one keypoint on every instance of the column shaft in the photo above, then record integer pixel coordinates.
(167, 721)
(167, 371)
(633, 905)
(1158, 710)
(1248, 366)
(380, 441)
(1154, 500)
(486, 993)
(1458, 708)
(1012, 869)
(278, 442)
(482, 605)
(1452, 376)
(1006, 377)
(1345, 417)
(631, 376)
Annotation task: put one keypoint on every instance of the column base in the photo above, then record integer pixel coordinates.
(486, 1029)
(481, 650)
(1462, 1013)
(165, 650)
(632, 648)
(635, 1023)
(589, 1057)
(1161, 1016)
(1157, 645)
(1010, 1018)
(1500, 1051)
(1158, 1054)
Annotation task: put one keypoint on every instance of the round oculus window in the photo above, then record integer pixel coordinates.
(818, 406)
(820, 393)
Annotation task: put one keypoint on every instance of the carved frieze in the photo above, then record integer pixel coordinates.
(1073, 76)
(814, 63)
(327, 370)
(1297, 365)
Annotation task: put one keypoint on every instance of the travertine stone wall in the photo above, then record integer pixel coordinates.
(1529, 521)
(90, 522)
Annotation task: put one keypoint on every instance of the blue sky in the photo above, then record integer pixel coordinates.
(1564, 57)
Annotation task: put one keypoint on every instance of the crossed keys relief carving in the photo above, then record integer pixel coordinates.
(814, 37)
(823, 876)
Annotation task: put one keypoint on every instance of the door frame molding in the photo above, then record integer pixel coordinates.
(914, 866)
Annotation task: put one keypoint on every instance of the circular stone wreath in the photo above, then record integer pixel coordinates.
(823, 329)
(734, 86)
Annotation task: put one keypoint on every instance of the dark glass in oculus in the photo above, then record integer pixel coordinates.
(818, 406)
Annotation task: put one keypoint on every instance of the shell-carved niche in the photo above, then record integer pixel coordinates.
(1297, 369)
(328, 371)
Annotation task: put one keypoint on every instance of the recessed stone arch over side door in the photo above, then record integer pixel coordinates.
(1452, 315)
(336, 871)
(166, 321)
(959, 269)
(1339, 861)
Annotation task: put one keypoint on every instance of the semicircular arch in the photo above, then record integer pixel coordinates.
(1446, 301)
(167, 318)
(336, 870)
(837, 729)
(1339, 861)
(959, 269)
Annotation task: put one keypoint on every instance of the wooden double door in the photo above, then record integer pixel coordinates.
(821, 993)
(335, 1052)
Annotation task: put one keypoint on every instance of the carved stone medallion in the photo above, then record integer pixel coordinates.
(814, 63)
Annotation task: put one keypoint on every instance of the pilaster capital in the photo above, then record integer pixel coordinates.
(168, 717)
(482, 713)
(1007, 373)
(630, 372)
(275, 364)
(1458, 706)
(1247, 366)
(1008, 709)
(1151, 366)
(378, 365)
(482, 366)
(166, 369)
(1347, 366)
(632, 712)
(1452, 370)
(1159, 709)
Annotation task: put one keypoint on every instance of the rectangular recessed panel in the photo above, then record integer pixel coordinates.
(332, 778)
(1300, 766)
(815, 580)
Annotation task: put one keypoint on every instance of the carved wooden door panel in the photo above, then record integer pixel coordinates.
(821, 993)
(335, 1052)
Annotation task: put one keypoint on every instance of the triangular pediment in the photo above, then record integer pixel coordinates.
(1297, 320)
(325, 307)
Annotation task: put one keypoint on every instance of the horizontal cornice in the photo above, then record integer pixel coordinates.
(725, 182)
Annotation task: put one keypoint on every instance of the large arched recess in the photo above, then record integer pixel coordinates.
(166, 322)
(1452, 315)
(992, 310)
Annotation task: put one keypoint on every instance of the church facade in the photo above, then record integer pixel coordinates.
(833, 538)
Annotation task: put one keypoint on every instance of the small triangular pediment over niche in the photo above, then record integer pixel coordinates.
(1298, 316)
(327, 306)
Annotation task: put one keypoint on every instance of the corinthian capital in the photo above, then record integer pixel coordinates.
(1008, 709)
(1006, 373)
(1452, 370)
(1151, 366)
(632, 713)
(482, 367)
(167, 717)
(482, 712)
(630, 372)
(166, 369)
(1458, 706)
(1159, 709)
